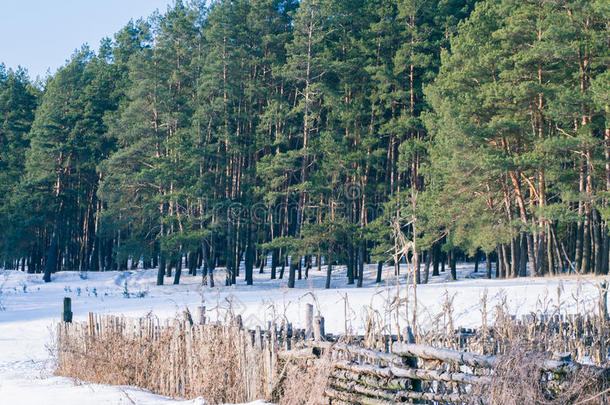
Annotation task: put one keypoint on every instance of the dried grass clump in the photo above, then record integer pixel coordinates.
(176, 362)
(520, 379)
(305, 381)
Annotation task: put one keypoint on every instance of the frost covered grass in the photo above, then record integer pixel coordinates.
(33, 306)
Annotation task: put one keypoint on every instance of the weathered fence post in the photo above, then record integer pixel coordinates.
(188, 319)
(603, 304)
(258, 338)
(200, 315)
(289, 333)
(308, 321)
(67, 314)
(416, 385)
(322, 331)
(318, 328)
(91, 324)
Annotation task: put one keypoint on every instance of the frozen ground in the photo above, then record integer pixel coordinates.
(31, 308)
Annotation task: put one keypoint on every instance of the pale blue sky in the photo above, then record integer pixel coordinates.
(42, 34)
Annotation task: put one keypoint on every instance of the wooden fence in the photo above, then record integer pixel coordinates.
(187, 357)
(190, 357)
(426, 374)
(584, 337)
(177, 355)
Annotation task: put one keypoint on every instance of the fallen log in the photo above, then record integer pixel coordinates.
(372, 380)
(490, 362)
(389, 358)
(339, 396)
(413, 373)
(446, 355)
(398, 396)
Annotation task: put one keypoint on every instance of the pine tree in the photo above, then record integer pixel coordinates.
(18, 103)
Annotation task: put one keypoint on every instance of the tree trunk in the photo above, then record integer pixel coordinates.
(514, 257)
(452, 264)
(606, 250)
(211, 267)
(379, 271)
(161, 270)
(498, 262)
(249, 260)
(350, 265)
(292, 272)
(436, 252)
(476, 261)
(192, 259)
(488, 265)
(300, 268)
(329, 272)
(229, 271)
(360, 265)
(178, 270)
(523, 256)
(597, 242)
(284, 258)
(205, 265)
(505, 263)
(51, 265)
(427, 266)
(263, 262)
(578, 254)
(274, 259)
(586, 248)
(306, 266)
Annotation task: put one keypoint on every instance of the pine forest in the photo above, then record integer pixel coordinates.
(245, 134)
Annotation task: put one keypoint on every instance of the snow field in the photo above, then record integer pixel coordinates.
(32, 308)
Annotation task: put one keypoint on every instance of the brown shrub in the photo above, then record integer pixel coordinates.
(305, 382)
(521, 380)
(176, 362)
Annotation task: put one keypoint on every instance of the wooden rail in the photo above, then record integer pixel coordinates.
(416, 372)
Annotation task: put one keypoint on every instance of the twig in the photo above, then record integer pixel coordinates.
(584, 401)
(128, 397)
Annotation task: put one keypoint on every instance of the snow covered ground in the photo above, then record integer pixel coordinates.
(31, 308)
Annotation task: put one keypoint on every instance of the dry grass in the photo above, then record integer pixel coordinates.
(520, 380)
(521, 343)
(221, 364)
(548, 330)
(175, 361)
(306, 381)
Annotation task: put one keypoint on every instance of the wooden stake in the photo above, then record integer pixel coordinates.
(67, 314)
(308, 321)
(200, 315)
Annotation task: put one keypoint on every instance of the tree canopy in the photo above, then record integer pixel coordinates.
(216, 134)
